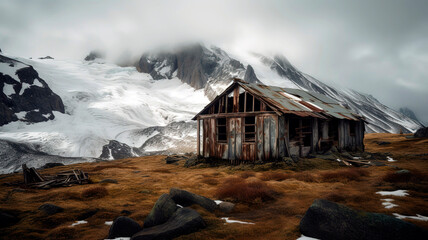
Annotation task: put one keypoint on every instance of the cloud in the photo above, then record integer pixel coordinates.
(378, 47)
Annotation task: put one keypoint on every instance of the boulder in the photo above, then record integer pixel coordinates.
(123, 227)
(185, 198)
(380, 143)
(226, 207)
(422, 133)
(93, 55)
(50, 209)
(109, 180)
(329, 220)
(163, 209)
(7, 219)
(173, 159)
(51, 165)
(183, 221)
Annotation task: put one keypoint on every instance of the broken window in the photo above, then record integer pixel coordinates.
(352, 128)
(250, 129)
(221, 130)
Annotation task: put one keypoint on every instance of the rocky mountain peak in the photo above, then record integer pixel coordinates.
(250, 75)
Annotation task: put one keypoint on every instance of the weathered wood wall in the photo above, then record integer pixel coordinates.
(270, 142)
(348, 141)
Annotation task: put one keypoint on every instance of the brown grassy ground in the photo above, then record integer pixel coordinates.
(275, 200)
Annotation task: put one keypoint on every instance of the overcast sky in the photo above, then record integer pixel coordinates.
(376, 47)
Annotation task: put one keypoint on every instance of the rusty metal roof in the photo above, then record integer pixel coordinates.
(299, 102)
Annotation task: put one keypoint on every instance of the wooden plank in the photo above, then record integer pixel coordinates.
(314, 141)
(245, 101)
(273, 132)
(281, 137)
(266, 138)
(259, 139)
(213, 137)
(232, 140)
(238, 114)
(238, 138)
(198, 147)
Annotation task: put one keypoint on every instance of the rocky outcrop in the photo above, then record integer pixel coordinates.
(123, 227)
(163, 209)
(25, 96)
(329, 220)
(93, 55)
(186, 198)
(422, 133)
(195, 65)
(117, 150)
(13, 155)
(250, 75)
(408, 113)
(183, 221)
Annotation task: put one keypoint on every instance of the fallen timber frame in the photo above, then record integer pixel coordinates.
(66, 178)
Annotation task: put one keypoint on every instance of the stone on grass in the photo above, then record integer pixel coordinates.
(163, 209)
(183, 221)
(226, 207)
(50, 209)
(123, 227)
(185, 198)
(329, 220)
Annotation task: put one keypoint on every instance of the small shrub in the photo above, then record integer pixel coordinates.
(210, 181)
(402, 177)
(247, 174)
(239, 189)
(344, 175)
(94, 192)
(277, 176)
(305, 177)
(161, 170)
(335, 197)
(63, 233)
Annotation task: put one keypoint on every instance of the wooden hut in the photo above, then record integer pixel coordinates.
(255, 122)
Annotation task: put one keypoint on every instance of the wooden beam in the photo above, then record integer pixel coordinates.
(238, 114)
(198, 151)
(245, 101)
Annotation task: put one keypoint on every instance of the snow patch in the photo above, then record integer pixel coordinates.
(178, 205)
(303, 237)
(390, 159)
(21, 115)
(388, 203)
(8, 89)
(78, 223)
(417, 217)
(38, 83)
(235, 221)
(218, 201)
(397, 193)
(120, 238)
(108, 223)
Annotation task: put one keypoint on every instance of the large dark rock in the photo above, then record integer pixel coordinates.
(163, 209)
(123, 227)
(50, 209)
(93, 55)
(7, 220)
(422, 133)
(250, 75)
(118, 150)
(183, 221)
(194, 64)
(51, 165)
(28, 94)
(186, 198)
(329, 220)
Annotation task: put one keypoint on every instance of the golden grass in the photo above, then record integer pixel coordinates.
(244, 190)
(275, 200)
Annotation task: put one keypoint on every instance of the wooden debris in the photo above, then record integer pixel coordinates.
(33, 179)
(360, 162)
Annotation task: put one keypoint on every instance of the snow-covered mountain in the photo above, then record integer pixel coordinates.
(148, 106)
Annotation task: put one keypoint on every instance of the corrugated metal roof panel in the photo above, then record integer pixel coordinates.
(300, 102)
